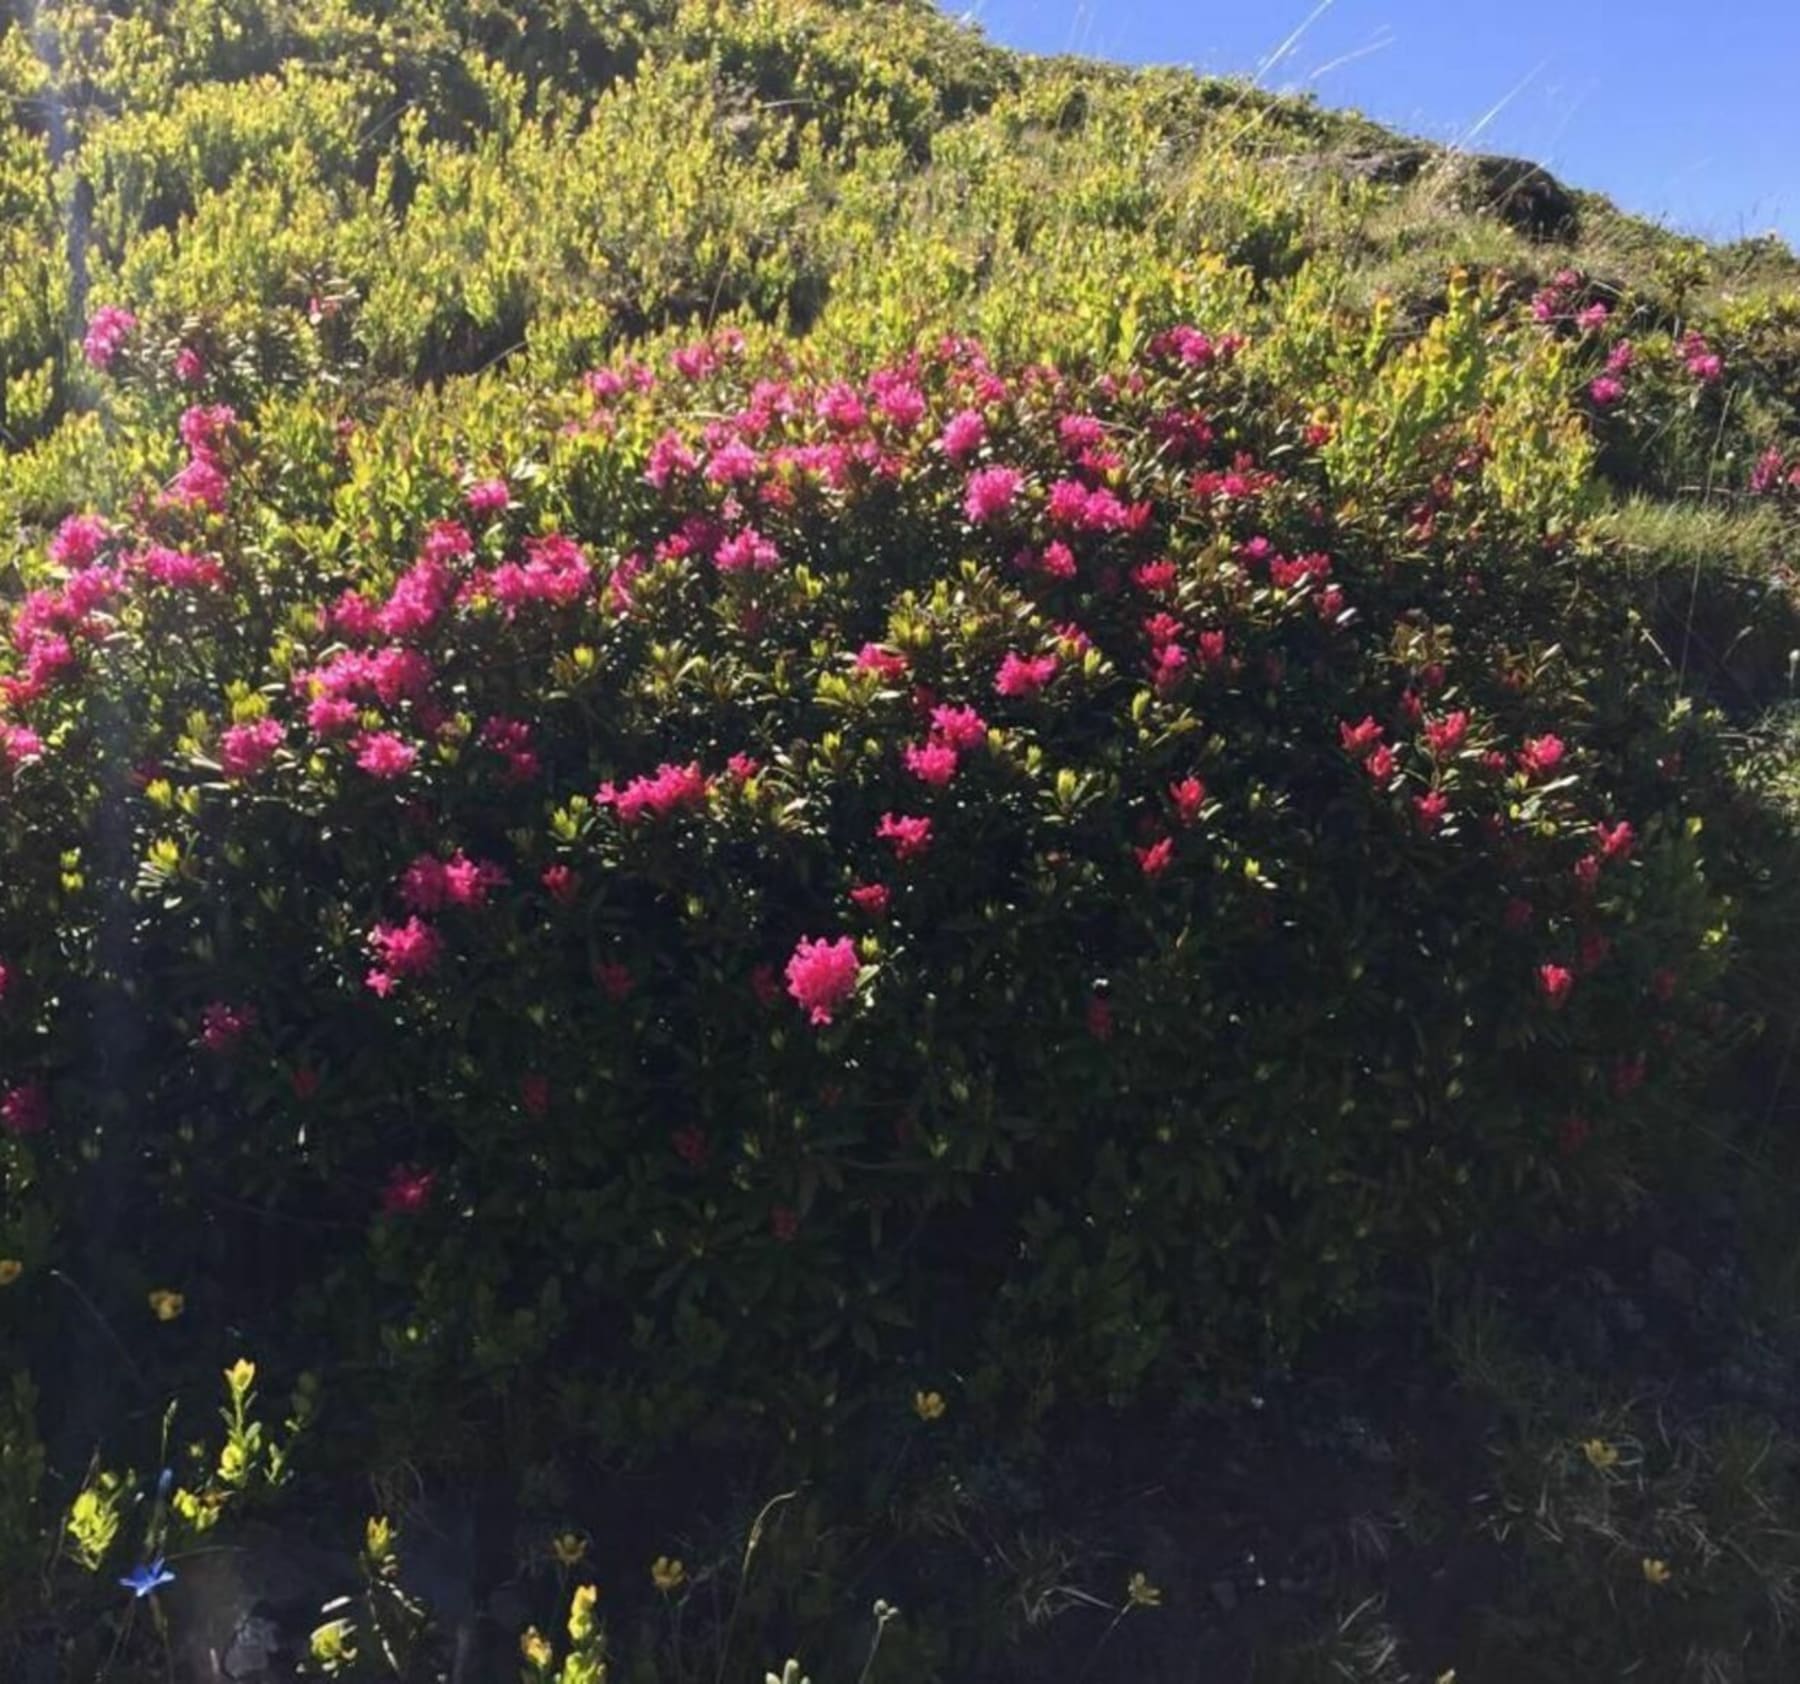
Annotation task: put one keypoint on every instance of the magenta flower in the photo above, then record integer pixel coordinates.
(963, 435)
(960, 727)
(870, 898)
(384, 755)
(1021, 676)
(1606, 390)
(108, 330)
(909, 837)
(931, 763)
(487, 497)
(244, 750)
(885, 663)
(411, 949)
(190, 369)
(747, 552)
(1554, 983)
(668, 790)
(1155, 859)
(821, 976)
(990, 494)
(1541, 755)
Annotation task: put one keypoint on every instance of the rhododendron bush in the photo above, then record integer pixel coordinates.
(763, 871)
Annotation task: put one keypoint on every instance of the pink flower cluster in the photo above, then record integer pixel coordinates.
(670, 789)
(109, 329)
(821, 976)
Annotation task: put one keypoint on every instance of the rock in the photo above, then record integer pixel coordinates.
(1523, 195)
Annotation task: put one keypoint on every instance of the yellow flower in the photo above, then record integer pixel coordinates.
(535, 1647)
(667, 1574)
(581, 1611)
(1656, 1571)
(928, 1406)
(1140, 1593)
(569, 1548)
(10, 1270)
(166, 1305)
(241, 1375)
(1600, 1454)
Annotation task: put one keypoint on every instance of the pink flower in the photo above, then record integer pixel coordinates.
(871, 898)
(668, 790)
(691, 1146)
(733, 463)
(1541, 755)
(178, 570)
(1593, 318)
(222, 1026)
(5, 981)
(190, 368)
(205, 428)
(330, 716)
(25, 1109)
(963, 435)
(419, 596)
(487, 497)
(19, 744)
(990, 494)
(561, 883)
(1554, 983)
(1188, 796)
(1380, 764)
(534, 1095)
(1057, 561)
(1445, 736)
(1616, 841)
(747, 551)
(384, 755)
(1154, 860)
(1765, 476)
(79, 540)
(1359, 739)
(1154, 575)
(1429, 810)
(841, 408)
(201, 482)
(1606, 390)
(931, 763)
(902, 403)
(1020, 676)
(909, 837)
(1587, 873)
(821, 976)
(244, 750)
(406, 950)
(883, 662)
(960, 727)
(408, 1190)
(108, 330)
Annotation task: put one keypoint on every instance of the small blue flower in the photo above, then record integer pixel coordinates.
(146, 1580)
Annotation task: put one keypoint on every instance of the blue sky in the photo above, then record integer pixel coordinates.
(1683, 110)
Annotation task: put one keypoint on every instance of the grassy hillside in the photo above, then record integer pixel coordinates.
(824, 815)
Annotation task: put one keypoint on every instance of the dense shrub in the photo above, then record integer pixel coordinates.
(977, 868)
